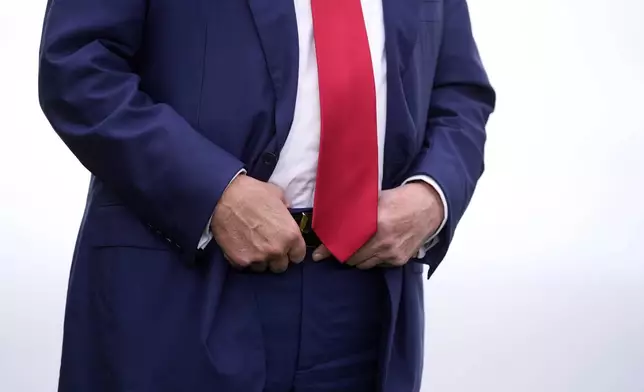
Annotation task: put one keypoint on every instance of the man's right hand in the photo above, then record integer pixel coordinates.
(252, 225)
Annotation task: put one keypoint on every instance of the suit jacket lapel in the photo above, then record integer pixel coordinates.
(277, 29)
(402, 22)
(401, 29)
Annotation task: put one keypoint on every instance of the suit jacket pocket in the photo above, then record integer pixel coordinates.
(145, 300)
(114, 225)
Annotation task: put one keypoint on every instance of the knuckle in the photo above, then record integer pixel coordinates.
(292, 235)
(242, 261)
(278, 266)
(274, 252)
(389, 248)
(270, 251)
(399, 259)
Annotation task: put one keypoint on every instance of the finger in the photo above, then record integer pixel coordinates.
(297, 253)
(235, 266)
(367, 251)
(370, 263)
(321, 253)
(232, 264)
(278, 265)
(258, 267)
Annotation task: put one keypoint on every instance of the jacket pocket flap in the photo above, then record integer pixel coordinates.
(116, 226)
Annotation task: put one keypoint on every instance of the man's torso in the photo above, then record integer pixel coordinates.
(232, 70)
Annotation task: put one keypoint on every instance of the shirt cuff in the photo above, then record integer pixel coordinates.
(206, 236)
(433, 239)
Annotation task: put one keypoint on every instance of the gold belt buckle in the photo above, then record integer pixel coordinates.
(303, 221)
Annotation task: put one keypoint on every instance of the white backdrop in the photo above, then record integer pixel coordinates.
(543, 290)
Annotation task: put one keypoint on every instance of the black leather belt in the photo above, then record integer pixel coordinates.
(304, 220)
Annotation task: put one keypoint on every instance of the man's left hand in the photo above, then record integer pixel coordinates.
(407, 217)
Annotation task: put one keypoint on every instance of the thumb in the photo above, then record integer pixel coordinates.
(321, 253)
(298, 251)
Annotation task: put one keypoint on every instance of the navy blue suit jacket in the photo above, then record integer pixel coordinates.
(164, 101)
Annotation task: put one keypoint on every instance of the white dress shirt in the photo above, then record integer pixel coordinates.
(296, 168)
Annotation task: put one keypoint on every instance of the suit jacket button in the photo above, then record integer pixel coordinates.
(269, 159)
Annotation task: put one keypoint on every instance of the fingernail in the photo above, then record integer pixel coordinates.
(317, 257)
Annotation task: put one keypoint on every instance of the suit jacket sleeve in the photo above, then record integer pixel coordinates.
(167, 173)
(462, 100)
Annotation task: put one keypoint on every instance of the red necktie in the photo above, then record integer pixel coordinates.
(346, 195)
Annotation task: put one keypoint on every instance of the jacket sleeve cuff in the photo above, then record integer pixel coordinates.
(433, 238)
(206, 236)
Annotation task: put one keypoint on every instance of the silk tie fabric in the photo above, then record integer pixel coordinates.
(345, 209)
